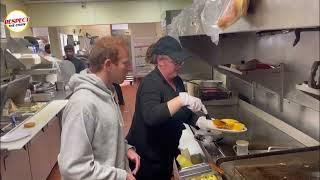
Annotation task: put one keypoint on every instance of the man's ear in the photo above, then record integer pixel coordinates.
(160, 61)
(107, 64)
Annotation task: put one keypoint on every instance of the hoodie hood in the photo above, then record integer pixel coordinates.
(92, 83)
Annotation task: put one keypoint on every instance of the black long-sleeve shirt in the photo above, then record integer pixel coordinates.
(154, 133)
(78, 64)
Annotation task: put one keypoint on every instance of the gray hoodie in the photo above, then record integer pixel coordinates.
(93, 146)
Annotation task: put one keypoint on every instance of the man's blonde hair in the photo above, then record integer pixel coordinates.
(106, 48)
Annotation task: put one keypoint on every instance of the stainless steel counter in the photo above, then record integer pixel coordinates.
(261, 136)
(40, 119)
(265, 132)
(6, 124)
(302, 164)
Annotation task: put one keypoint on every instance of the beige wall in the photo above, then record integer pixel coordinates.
(143, 29)
(64, 14)
(43, 31)
(94, 13)
(97, 30)
(94, 30)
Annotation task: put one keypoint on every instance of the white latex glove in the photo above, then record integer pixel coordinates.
(204, 123)
(193, 103)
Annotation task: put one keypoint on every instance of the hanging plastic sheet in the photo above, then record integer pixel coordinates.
(212, 11)
(218, 15)
(208, 17)
(188, 22)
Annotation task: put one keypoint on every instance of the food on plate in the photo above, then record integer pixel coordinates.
(238, 126)
(29, 124)
(229, 124)
(219, 124)
(207, 176)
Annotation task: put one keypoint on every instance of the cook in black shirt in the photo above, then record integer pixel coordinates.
(162, 106)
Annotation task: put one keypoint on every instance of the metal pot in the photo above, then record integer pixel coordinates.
(211, 83)
(193, 87)
(39, 87)
(34, 85)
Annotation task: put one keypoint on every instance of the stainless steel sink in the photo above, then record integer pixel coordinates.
(302, 164)
(6, 124)
(24, 112)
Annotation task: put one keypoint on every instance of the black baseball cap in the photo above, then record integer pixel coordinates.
(169, 46)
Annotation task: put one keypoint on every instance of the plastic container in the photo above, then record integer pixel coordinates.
(183, 161)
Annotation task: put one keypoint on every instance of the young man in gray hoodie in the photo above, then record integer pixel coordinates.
(92, 139)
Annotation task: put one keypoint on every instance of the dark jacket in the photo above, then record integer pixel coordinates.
(78, 64)
(154, 133)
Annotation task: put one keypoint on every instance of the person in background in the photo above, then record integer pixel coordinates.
(162, 106)
(92, 138)
(34, 43)
(47, 49)
(70, 55)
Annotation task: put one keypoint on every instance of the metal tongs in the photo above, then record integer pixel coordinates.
(205, 111)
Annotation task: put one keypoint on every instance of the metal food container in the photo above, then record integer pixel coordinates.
(302, 164)
(195, 170)
(211, 83)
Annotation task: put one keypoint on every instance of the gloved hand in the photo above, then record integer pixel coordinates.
(193, 103)
(204, 123)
